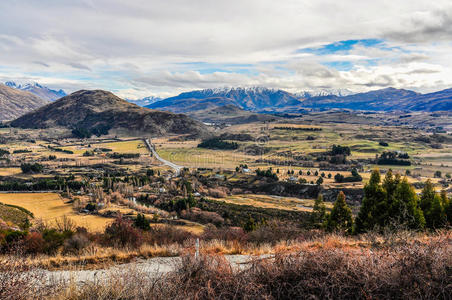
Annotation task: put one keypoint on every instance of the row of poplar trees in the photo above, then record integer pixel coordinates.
(389, 203)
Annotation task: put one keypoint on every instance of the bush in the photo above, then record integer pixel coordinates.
(122, 233)
(31, 168)
(217, 143)
(34, 243)
(204, 217)
(54, 239)
(76, 243)
(142, 222)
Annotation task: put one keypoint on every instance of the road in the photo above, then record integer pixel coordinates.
(175, 167)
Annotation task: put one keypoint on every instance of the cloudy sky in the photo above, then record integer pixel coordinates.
(162, 47)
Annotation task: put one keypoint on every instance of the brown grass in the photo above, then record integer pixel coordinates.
(406, 270)
(51, 206)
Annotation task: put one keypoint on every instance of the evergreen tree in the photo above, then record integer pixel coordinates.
(405, 208)
(448, 210)
(373, 207)
(436, 217)
(427, 196)
(340, 217)
(318, 216)
(432, 206)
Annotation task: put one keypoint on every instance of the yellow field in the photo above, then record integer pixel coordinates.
(136, 146)
(10, 171)
(50, 206)
(267, 201)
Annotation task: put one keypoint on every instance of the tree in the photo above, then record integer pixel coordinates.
(438, 174)
(448, 210)
(405, 208)
(318, 216)
(340, 217)
(373, 207)
(319, 181)
(426, 201)
(142, 222)
(436, 217)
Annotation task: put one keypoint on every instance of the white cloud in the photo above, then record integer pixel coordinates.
(142, 47)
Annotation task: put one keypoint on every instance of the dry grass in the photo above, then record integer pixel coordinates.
(416, 269)
(266, 201)
(10, 171)
(51, 206)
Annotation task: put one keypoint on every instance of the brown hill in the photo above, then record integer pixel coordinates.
(14, 103)
(101, 109)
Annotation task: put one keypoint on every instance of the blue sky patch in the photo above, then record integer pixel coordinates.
(341, 46)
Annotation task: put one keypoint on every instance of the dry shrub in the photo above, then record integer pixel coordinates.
(122, 233)
(275, 232)
(201, 216)
(223, 233)
(76, 243)
(218, 192)
(413, 270)
(33, 243)
(166, 235)
(19, 281)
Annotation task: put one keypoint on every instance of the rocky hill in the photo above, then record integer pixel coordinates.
(14, 103)
(103, 110)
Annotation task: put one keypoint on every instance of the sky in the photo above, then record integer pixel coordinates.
(160, 48)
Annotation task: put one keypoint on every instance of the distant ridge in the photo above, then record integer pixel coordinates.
(388, 99)
(102, 109)
(252, 98)
(265, 100)
(38, 90)
(14, 103)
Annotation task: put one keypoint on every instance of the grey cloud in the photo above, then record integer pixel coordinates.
(79, 66)
(425, 27)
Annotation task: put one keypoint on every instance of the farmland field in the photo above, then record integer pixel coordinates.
(49, 207)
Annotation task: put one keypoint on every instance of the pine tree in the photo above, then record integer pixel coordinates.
(340, 217)
(373, 208)
(405, 207)
(448, 210)
(432, 207)
(427, 196)
(436, 216)
(318, 216)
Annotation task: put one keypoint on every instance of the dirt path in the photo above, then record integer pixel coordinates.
(154, 267)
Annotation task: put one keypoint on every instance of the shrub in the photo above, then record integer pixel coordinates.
(76, 243)
(54, 239)
(223, 233)
(204, 217)
(31, 168)
(34, 243)
(217, 143)
(122, 233)
(142, 222)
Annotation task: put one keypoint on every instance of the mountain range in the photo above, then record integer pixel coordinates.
(14, 102)
(265, 100)
(252, 99)
(102, 110)
(38, 90)
(144, 101)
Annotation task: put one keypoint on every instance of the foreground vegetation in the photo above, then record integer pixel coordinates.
(390, 266)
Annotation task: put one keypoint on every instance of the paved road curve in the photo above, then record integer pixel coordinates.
(175, 167)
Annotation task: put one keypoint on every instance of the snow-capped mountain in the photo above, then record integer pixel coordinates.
(248, 98)
(323, 93)
(38, 90)
(145, 101)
